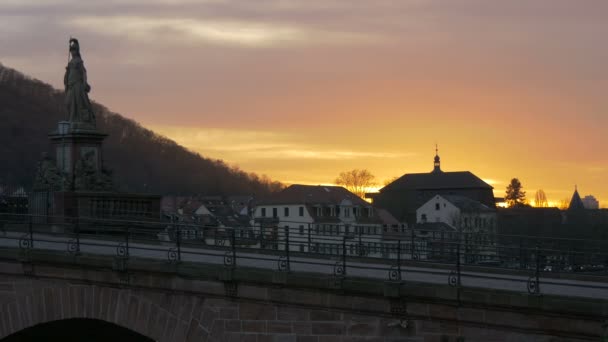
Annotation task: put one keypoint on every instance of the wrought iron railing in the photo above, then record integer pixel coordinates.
(460, 258)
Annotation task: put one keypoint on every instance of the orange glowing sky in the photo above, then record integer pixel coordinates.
(301, 90)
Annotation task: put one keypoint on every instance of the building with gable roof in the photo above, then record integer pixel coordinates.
(406, 194)
(318, 218)
(476, 220)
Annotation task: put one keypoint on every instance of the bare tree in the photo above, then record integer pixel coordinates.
(356, 181)
(540, 199)
(564, 204)
(390, 180)
(515, 195)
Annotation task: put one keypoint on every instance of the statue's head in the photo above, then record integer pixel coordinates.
(74, 47)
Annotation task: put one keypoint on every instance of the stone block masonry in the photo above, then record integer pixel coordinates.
(181, 308)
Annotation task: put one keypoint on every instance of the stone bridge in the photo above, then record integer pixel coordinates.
(193, 302)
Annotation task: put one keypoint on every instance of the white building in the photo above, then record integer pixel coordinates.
(590, 202)
(474, 220)
(320, 219)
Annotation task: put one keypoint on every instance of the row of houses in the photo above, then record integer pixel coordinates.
(331, 220)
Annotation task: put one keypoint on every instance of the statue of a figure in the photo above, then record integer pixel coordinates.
(77, 88)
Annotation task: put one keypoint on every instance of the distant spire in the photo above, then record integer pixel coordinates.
(576, 203)
(437, 160)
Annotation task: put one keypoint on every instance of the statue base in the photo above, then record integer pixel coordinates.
(73, 141)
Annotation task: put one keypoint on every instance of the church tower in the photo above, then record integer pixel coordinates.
(437, 161)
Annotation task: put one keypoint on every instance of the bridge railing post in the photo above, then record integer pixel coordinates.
(458, 262)
(309, 239)
(412, 241)
(344, 255)
(537, 267)
(233, 246)
(287, 248)
(399, 259)
(77, 229)
(31, 231)
(178, 241)
(127, 232)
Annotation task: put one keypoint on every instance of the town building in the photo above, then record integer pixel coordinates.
(590, 202)
(406, 194)
(474, 222)
(211, 219)
(323, 219)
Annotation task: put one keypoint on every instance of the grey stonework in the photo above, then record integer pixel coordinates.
(170, 308)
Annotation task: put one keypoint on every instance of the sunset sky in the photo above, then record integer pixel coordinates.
(301, 90)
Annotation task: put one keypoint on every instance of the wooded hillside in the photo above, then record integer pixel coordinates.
(141, 160)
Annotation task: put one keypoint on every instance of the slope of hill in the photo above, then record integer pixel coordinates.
(141, 160)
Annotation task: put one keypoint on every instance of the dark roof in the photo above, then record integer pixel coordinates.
(313, 194)
(576, 203)
(466, 204)
(437, 180)
(386, 217)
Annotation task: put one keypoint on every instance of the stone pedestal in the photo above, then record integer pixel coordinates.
(72, 143)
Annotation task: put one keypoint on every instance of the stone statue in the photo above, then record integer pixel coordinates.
(80, 112)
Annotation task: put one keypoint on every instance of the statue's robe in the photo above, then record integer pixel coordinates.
(76, 99)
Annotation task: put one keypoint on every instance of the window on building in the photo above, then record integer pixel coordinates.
(263, 212)
(347, 212)
(437, 206)
(423, 218)
(275, 212)
(332, 211)
(301, 210)
(286, 212)
(301, 230)
(301, 248)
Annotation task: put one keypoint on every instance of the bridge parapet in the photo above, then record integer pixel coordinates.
(195, 302)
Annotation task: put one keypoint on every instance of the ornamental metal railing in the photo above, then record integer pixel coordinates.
(460, 257)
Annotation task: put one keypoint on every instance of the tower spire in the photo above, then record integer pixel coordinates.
(437, 160)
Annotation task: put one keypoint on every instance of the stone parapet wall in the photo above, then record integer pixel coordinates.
(222, 305)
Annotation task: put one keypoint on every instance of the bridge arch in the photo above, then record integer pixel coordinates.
(31, 302)
(76, 330)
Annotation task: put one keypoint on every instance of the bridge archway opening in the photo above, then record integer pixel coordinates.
(77, 330)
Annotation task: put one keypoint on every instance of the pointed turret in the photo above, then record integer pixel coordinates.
(576, 203)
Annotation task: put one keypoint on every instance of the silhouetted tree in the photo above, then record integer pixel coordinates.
(540, 199)
(390, 180)
(356, 181)
(564, 204)
(515, 195)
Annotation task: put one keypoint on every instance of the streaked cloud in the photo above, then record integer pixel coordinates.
(305, 89)
(232, 32)
(258, 145)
